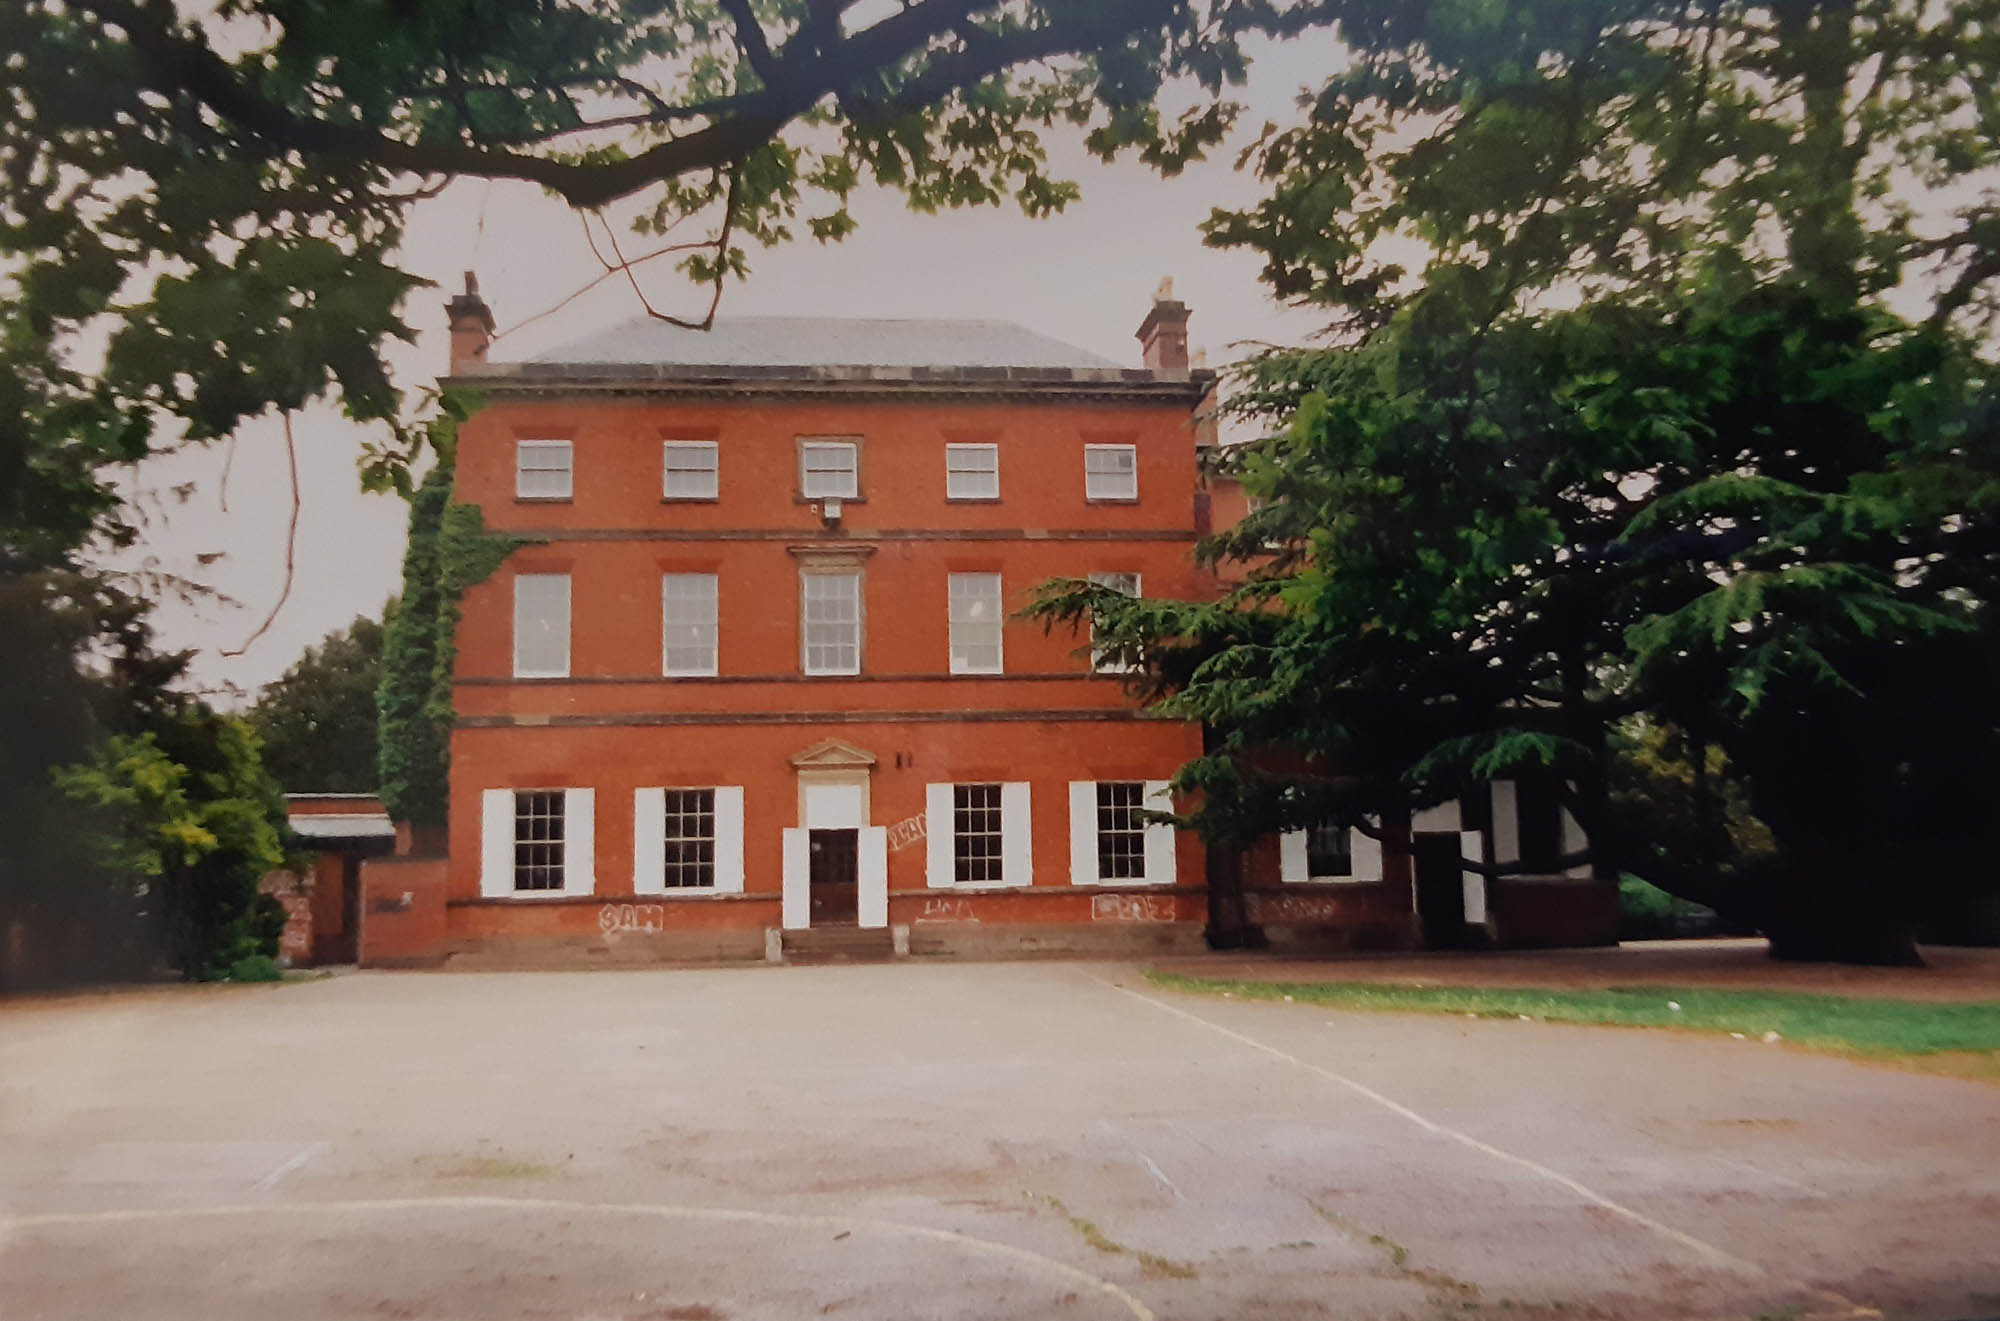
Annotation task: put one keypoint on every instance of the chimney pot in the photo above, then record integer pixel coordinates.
(471, 322)
(1162, 335)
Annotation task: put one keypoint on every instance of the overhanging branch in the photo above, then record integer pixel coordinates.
(181, 63)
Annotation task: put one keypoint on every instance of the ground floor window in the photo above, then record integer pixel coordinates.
(689, 837)
(1328, 852)
(976, 834)
(536, 843)
(1329, 855)
(1121, 831)
(687, 840)
(1114, 838)
(539, 839)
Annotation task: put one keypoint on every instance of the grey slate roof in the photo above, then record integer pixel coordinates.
(342, 825)
(788, 341)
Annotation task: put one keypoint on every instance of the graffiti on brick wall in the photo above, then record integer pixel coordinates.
(910, 830)
(1295, 908)
(939, 908)
(616, 920)
(1131, 908)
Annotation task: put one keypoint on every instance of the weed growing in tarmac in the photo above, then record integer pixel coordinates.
(1097, 1238)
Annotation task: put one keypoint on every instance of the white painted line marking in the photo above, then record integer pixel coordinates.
(1847, 1308)
(1591, 1195)
(1151, 1167)
(1095, 1284)
(1159, 1174)
(299, 1158)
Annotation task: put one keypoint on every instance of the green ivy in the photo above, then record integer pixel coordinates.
(449, 551)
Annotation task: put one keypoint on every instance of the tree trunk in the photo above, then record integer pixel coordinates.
(1842, 912)
(1229, 925)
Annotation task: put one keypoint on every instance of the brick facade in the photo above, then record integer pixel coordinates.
(610, 804)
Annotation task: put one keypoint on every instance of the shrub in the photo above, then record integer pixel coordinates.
(1646, 912)
(256, 968)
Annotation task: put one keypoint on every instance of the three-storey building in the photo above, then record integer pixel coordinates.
(758, 671)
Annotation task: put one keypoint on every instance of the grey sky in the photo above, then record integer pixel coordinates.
(1085, 277)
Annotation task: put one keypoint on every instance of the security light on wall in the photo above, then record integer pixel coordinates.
(829, 509)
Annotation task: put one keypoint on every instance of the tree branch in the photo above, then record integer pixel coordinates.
(750, 37)
(183, 64)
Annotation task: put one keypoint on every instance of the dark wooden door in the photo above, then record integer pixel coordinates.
(1440, 890)
(350, 909)
(833, 876)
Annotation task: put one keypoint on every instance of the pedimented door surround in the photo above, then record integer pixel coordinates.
(833, 777)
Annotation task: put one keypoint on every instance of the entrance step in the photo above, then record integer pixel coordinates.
(840, 945)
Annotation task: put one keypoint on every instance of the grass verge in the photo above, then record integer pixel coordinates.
(1962, 1040)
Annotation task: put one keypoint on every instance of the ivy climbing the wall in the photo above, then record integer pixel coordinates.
(449, 551)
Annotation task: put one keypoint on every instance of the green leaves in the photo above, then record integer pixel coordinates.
(229, 190)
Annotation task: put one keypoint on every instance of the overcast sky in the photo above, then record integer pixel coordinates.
(1086, 277)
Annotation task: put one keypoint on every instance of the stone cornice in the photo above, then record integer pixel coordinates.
(863, 384)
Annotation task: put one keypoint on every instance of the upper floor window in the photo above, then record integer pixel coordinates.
(541, 625)
(973, 621)
(831, 609)
(972, 472)
(543, 469)
(1111, 472)
(688, 619)
(830, 469)
(690, 470)
(1104, 661)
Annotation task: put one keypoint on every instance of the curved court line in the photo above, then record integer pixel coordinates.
(1096, 1284)
(1849, 1308)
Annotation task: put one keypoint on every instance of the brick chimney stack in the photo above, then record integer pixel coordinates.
(1163, 336)
(471, 324)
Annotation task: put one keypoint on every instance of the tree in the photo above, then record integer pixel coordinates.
(151, 838)
(317, 722)
(188, 814)
(232, 189)
(1640, 441)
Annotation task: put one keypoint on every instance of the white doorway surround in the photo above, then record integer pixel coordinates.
(833, 778)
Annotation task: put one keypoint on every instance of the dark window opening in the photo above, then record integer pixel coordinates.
(1121, 831)
(690, 836)
(975, 833)
(538, 840)
(1329, 851)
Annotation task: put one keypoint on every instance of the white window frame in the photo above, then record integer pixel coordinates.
(496, 844)
(1017, 862)
(710, 490)
(711, 626)
(814, 485)
(524, 449)
(649, 842)
(525, 584)
(1160, 852)
(807, 579)
(963, 481)
(1364, 859)
(1110, 483)
(1099, 662)
(959, 626)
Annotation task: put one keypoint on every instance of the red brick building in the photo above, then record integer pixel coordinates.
(755, 686)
